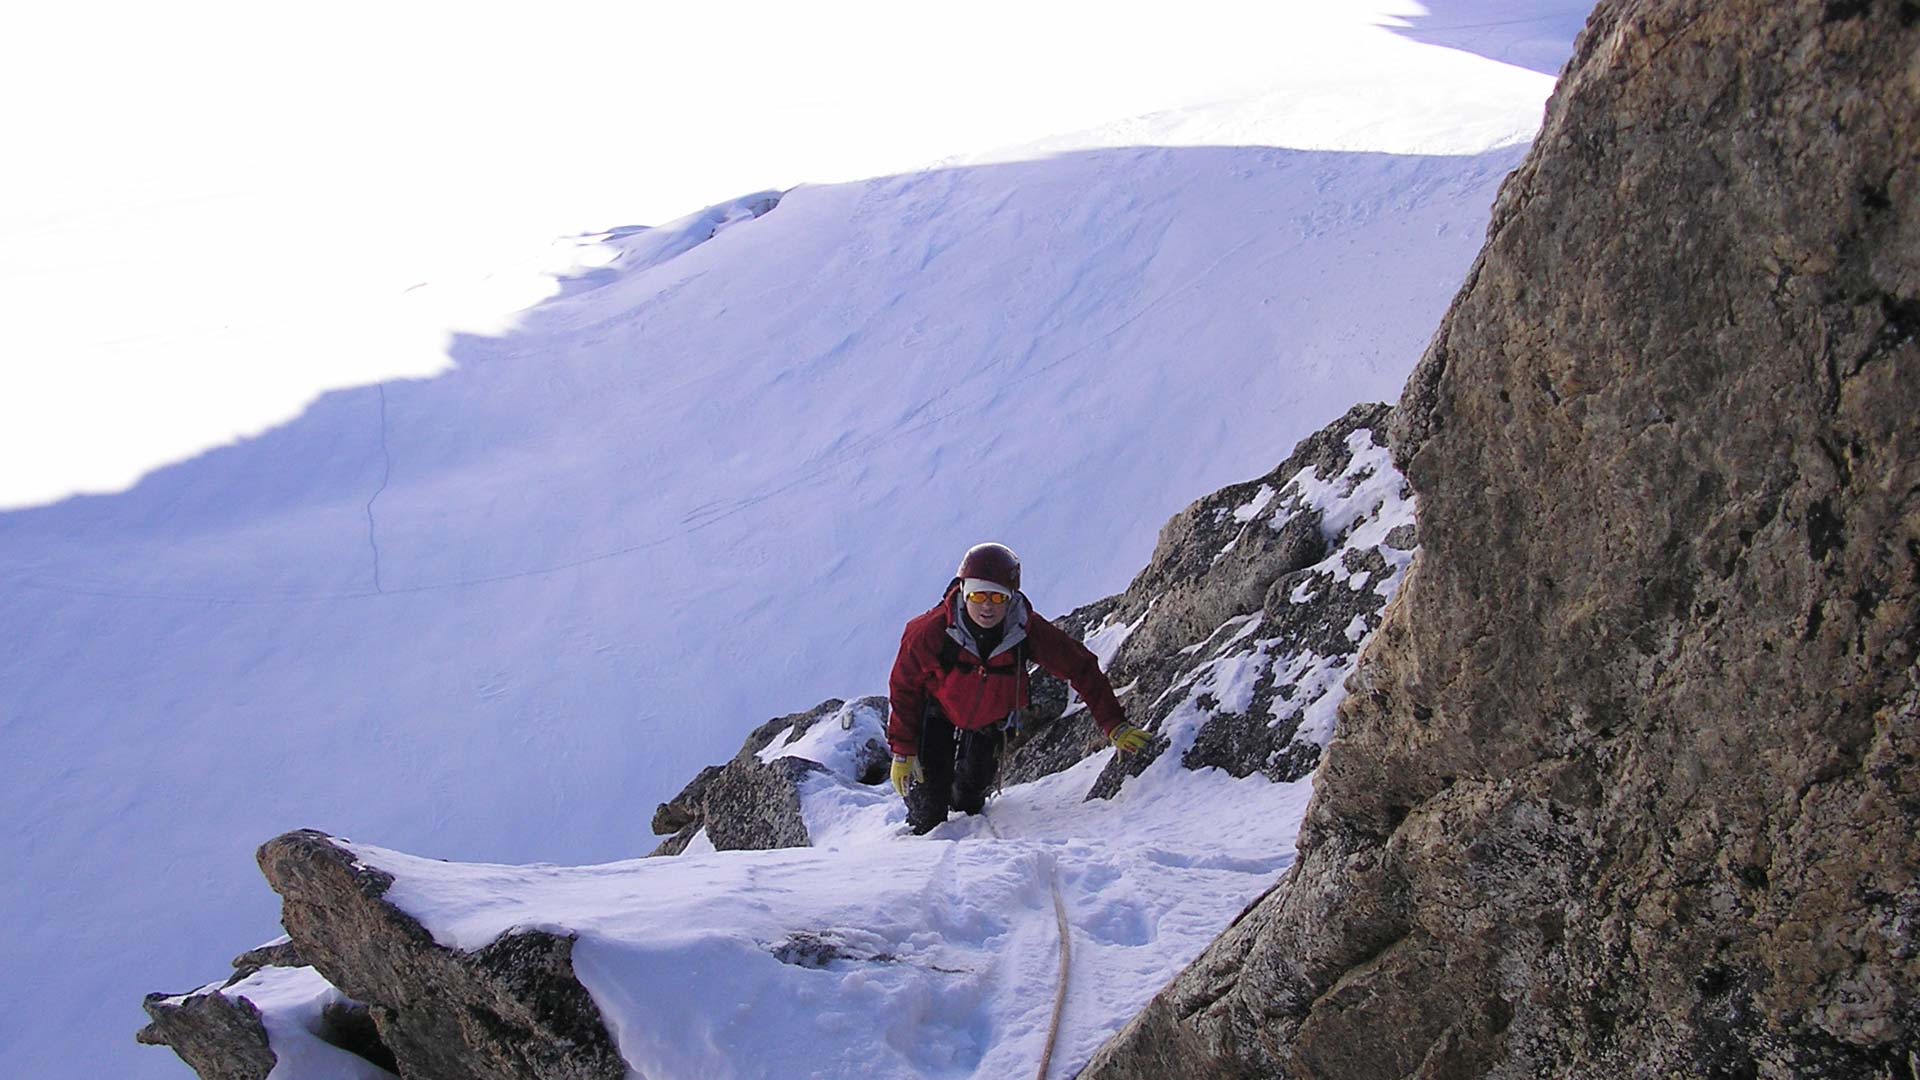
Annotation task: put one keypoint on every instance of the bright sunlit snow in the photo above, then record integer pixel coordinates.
(526, 569)
(226, 208)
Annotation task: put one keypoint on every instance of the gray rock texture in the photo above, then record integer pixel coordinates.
(757, 807)
(281, 953)
(512, 1009)
(222, 1035)
(220, 1038)
(1626, 785)
(1268, 586)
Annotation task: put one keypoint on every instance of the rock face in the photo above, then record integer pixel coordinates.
(1627, 782)
(512, 1009)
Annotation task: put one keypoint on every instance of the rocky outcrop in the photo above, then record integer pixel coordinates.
(1234, 643)
(1627, 783)
(219, 1037)
(1236, 640)
(752, 803)
(513, 1009)
(362, 991)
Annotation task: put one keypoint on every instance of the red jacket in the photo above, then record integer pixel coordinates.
(975, 694)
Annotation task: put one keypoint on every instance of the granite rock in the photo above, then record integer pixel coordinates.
(1627, 781)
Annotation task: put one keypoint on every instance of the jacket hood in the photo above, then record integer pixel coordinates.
(1015, 622)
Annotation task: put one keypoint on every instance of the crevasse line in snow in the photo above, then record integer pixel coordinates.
(386, 472)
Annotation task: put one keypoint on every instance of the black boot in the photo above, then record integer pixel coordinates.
(926, 807)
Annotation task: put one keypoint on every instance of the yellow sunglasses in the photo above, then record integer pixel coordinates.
(984, 597)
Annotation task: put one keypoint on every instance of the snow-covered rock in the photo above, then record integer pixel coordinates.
(510, 1009)
(1234, 643)
(753, 801)
(275, 1017)
(1239, 635)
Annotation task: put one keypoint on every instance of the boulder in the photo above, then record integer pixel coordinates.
(685, 811)
(757, 807)
(281, 953)
(221, 1032)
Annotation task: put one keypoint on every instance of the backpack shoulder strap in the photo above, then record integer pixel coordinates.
(949, 657)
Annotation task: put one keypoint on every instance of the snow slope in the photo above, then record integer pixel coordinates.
(879, 954)
(498, 614)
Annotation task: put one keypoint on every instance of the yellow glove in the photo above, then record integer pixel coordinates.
(904, 769)
(1130, 739)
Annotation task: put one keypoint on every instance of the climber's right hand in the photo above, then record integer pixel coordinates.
(906, 768)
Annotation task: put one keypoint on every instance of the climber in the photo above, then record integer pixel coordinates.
(961, 680)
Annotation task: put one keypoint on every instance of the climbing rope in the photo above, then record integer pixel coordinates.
(1066, 963)
(1066, 952)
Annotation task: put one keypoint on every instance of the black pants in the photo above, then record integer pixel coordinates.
(960, 766)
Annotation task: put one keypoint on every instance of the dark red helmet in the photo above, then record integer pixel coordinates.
(991, 562)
